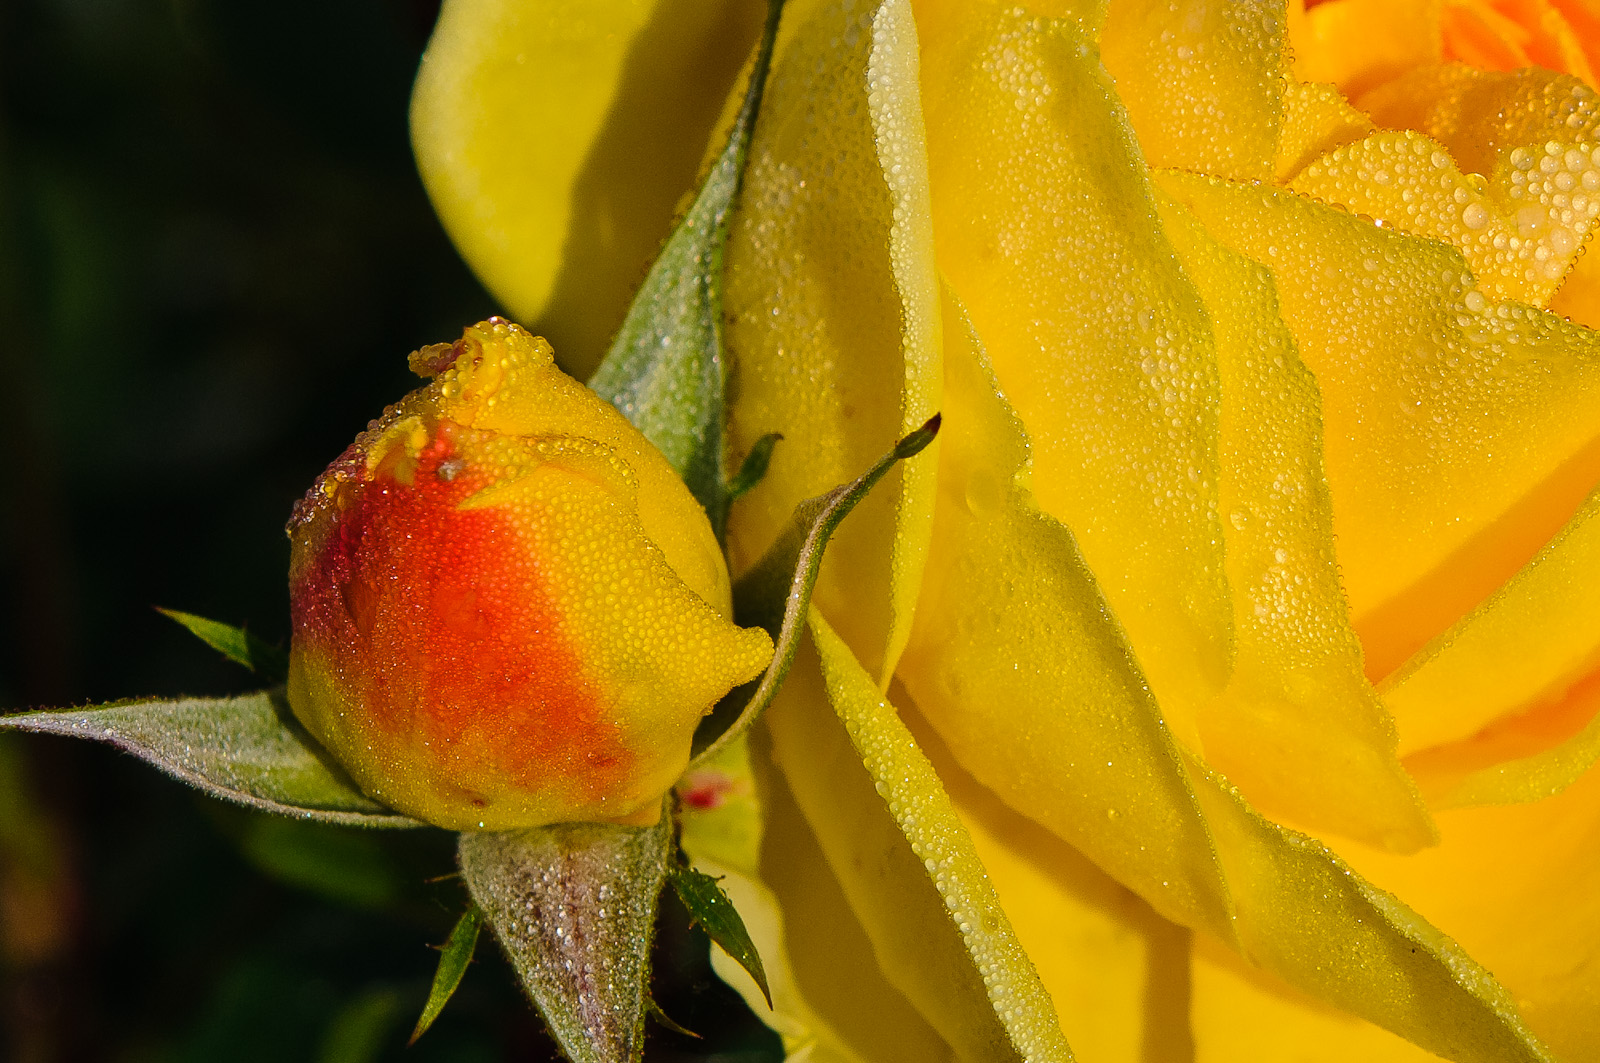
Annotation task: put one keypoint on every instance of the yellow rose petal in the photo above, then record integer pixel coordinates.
(1359, 43)
(1307, 917)
(1532, 913)
(1487, 771)
(1525, 646)
(1316, 119)
(1584, 18)
(1298, 728)
(723, 830)
(1114, 968)
(1202, 81)
(1579, 298)
(1476, 33)
(556, 137)
(905, 861)
(864, 1012)
(1240, 1013)
(1507, 34)
(833, 314)
(1520, 231)
(1460, 434)
(1481, 116)
(1158, 593)
(1019, 667)
(1047, 232)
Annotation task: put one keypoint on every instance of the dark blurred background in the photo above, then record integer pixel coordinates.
(215, 255)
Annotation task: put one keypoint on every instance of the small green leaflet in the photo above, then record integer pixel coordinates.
(454, 956)
(754, 466)
(665, 369)
(236, 644)
(709, 906)
(248, 749)
(655, 1012)
(776, 592)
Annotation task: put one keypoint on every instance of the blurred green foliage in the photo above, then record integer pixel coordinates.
(214, 257)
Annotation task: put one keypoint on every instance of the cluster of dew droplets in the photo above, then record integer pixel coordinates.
(809, 237)
(1555, 195)
(1521, 229)
(1141, 376)
(1202, 90)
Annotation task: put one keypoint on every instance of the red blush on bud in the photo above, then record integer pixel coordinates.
(444, 636)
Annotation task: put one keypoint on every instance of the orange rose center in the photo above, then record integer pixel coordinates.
(1559, 35)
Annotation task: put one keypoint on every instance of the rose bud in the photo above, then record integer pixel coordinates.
(507, 608)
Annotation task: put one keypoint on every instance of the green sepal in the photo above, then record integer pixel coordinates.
(248, 749)
(665, 368)
(712, 909)
(776, 592)
(454, 956)
(666, 1020)
(754, 467)
(574, 906)
(236, 644)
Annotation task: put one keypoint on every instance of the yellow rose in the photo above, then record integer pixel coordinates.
(508, 610)
(1264, 485)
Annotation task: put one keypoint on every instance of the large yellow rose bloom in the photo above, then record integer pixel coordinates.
(1261, 515)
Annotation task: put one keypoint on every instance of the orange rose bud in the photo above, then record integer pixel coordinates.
(508, 610)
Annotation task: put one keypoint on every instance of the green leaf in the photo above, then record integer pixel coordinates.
(776, 592)
(453, 959)
(236, 644)
(666, 1020)
(665, 370)
(247, 749)
(710, 907)
(755, 466)
(574, 907)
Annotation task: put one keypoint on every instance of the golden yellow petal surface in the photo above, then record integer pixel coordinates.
(1356, 44)
(1316, 119)
(1028, 680)
(555, 138)
(1528, 759)
(833, 311)
(1115, 970)
(1017, 664)
(1460, 433)
(1519, 230)
(1482, 116)
(906, 862)
(1522, 650)
(1202, 81)
(1240, 1012)
(1046, 230)
(1298, 727)
(1532, 912)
